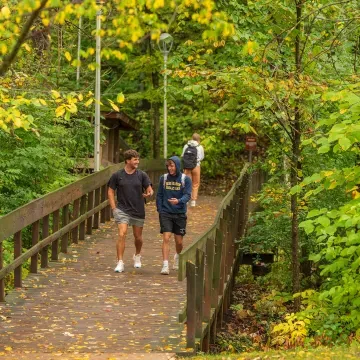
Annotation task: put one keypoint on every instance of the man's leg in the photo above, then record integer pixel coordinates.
(195, 182)
(120, 244)
(137, 231)
(178, 243)
(166, 246)
(120, 247)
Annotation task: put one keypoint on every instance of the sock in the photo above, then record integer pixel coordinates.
(166, 262)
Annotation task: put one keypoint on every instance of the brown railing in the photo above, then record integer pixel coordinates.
(211, 262)
(61, 218)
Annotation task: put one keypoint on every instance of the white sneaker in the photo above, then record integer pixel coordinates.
(176, 262)
(137, 261)
(119, 267)
(192, 203)
(165, 270)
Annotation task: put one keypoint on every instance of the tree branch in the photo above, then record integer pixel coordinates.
(8, 59)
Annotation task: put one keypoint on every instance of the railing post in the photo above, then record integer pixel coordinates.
(65, 221)
(17, 253)
(209, 259)
(199, 291)
(75, 231)
(55, 228)
(190, 304)
(2, 281)
(103, 198)
(90, 206)
(45, 234)
(97, 202)
(82, 212)
(35, 239)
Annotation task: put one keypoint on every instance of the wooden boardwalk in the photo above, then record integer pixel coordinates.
(78, 308)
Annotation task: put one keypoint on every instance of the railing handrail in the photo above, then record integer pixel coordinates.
(198, 242)
(35, 210)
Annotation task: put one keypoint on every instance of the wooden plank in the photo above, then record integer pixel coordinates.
(37, 209)
(223, 256)
(35, 240)
(190, 304)
(75, 231)
(45, 234)
(55, 228)
(65, 221)
(90, 205)
(35, 249)
(104, 196)
(208, 283)
(17, 253)
(82, 212)
(2, 281)
(200, 270)
(217, 268)
(97, 215)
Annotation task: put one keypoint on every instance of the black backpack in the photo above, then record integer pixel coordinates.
(190, 157)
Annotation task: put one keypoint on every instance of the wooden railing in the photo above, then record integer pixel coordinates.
(211, 262)
(61, 218)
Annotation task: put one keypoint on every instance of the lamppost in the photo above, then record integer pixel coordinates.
(165, 45)
(97, 89)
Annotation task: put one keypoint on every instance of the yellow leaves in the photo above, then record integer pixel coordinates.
(120, 98)
(27, 47)
(8, 348)
(115, 107)
(89, 102)
(3, 48)
(45, 21)
(250, 48)
(55, 94)
(67, 56)
(5, 12)
(60, 111)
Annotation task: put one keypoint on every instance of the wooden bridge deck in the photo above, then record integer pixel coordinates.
(79, 308)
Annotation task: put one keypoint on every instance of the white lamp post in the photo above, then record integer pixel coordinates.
(97, 90)
(165, 45)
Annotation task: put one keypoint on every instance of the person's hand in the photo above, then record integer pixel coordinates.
(173, 201)
(149, 193)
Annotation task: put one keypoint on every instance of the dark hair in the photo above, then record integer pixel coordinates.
(129, 154)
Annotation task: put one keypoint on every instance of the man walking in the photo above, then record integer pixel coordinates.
(173, 194)
(193, 154)
(131, 186)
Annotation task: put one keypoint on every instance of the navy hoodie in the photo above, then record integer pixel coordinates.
(173, 189)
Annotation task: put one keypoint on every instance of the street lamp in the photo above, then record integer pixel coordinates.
(165, 45)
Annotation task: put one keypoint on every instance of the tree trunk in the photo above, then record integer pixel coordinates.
(296, 166)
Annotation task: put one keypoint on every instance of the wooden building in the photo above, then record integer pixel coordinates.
(114, 146)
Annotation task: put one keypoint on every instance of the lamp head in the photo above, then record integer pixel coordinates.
(165, 43)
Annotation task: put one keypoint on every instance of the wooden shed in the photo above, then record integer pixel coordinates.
(112, 149)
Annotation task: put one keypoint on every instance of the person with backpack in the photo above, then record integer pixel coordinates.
(131, 186)
(173, 194)
(192, 155)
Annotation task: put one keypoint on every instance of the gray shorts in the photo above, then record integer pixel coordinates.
(122, 218)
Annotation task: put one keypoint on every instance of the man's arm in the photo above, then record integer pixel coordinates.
(187, 191)
(111, 196)
(160, 194)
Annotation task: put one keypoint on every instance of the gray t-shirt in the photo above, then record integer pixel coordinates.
(129, 190)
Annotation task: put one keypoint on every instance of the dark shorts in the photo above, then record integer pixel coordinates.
(174, 223)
